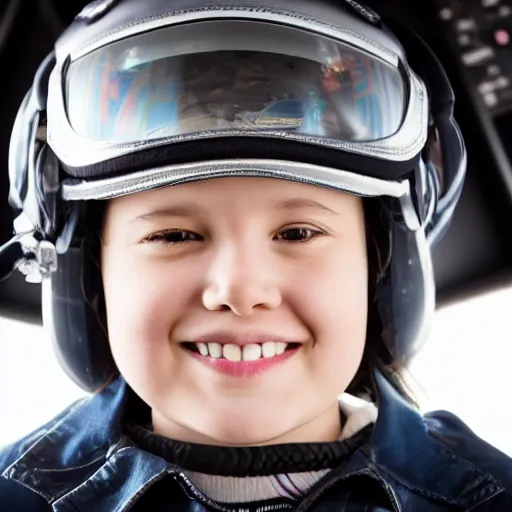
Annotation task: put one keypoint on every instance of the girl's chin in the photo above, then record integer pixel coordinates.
(253, 430)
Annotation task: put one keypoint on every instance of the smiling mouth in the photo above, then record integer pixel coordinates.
(237, 353)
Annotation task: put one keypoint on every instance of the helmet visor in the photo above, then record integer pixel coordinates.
(232, 77)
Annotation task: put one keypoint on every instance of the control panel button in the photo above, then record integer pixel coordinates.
(481, 33)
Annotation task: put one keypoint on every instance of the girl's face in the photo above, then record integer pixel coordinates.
(239, 267)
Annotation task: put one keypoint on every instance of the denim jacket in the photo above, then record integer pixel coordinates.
(83, 461)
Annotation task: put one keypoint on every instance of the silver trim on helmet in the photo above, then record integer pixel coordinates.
(77, 151)
(346, 181)
(262, 14)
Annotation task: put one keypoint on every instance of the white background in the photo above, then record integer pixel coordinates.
(464, 368)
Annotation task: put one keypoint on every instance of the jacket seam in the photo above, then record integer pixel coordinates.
(412, 488)
(73, 468)
(145, 488)
(475, 507)
(45, 433)
(483, 474)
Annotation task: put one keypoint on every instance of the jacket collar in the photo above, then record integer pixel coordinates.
(418, 460)
(76, 446)
(97, 457)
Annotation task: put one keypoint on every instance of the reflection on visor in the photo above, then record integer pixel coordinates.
(149, 86)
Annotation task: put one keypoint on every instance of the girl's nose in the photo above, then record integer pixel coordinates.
(242, 281)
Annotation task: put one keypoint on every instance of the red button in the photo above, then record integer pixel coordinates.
(502, 37)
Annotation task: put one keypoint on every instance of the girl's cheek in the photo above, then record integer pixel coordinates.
(334, 296)
(154, 299)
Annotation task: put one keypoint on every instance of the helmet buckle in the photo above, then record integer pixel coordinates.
(44, 264)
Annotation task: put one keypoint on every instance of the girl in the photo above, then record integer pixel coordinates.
(231, 208)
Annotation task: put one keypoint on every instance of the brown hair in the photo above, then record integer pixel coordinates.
(377, 354)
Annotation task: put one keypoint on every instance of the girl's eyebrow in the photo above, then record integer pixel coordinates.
(173, 211)
(303, 203)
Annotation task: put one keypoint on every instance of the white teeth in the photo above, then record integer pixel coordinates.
(215, 350)
(235, 353)
(269, 349)
(232, 353)
(203, 349)
(280, 348)
(251, 352)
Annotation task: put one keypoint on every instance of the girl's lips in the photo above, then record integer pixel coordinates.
(245, 369)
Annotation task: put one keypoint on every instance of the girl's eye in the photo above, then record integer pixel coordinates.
(174, 236)
(298, 235)
(178, 236)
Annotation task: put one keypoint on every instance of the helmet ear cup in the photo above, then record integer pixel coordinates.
(73, 305)
(75, 313)
(92, 280)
